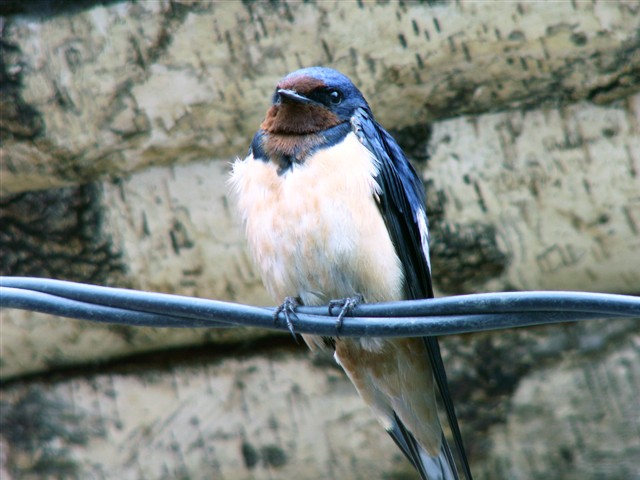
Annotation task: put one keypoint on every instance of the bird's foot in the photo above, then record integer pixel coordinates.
(346, 305)
(288, 309)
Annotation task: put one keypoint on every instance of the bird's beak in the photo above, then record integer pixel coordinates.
(293, 97)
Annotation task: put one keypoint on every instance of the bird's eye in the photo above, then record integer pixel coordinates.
(335, 97)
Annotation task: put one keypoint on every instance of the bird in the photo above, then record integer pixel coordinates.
(334, 214)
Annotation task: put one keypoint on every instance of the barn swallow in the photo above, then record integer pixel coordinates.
(333, 209)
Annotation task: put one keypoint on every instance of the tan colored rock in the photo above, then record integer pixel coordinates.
(274, 416)
(113, 89)
(580, 416)
(545, 199)
(277, 414)
(118, 125)
(173, 232)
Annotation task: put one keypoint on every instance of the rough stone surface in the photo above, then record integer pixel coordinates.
(122, 86)
(273, 416)
(545, 199)
(119, 120)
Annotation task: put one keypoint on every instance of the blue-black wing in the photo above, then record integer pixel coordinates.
(402, 205)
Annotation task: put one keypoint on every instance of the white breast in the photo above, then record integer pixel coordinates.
(316, 231)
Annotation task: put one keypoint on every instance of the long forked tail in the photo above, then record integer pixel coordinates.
(440, 376)
(439, 467)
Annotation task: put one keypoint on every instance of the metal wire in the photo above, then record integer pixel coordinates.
(440, 316)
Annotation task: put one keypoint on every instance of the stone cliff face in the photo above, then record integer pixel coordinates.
(118, 124)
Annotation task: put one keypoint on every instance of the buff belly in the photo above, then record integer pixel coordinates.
(315, 232)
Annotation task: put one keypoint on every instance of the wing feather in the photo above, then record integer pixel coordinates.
(401, 203)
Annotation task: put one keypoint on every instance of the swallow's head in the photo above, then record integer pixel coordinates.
(312, 100)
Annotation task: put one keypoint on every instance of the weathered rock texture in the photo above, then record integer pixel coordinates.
(116, 88)
(118, 124)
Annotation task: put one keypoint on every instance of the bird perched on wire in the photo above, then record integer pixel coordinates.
(333, 209)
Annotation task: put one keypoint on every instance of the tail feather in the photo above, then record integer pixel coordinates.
(440, 467)
(440, 375)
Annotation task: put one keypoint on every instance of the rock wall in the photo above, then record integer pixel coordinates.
(119, 122)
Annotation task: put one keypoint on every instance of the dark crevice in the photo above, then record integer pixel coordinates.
(18, 119)
(163, 360)
(48, 8)
(57, 234)
(624, 83)
(414, 140)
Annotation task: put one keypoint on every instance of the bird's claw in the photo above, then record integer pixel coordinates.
(346, 305)
(288, 309)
